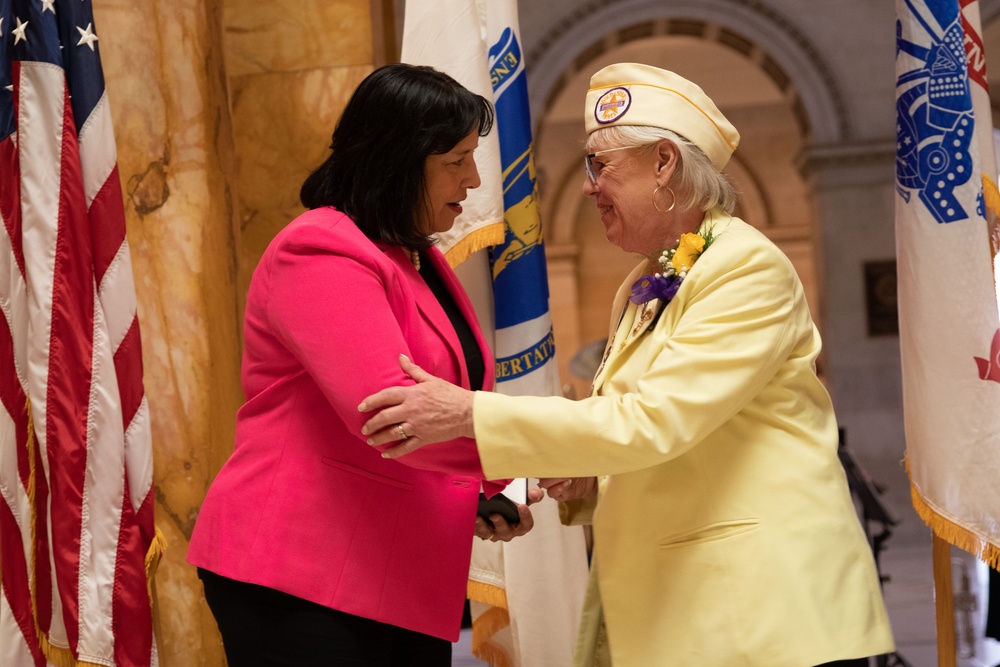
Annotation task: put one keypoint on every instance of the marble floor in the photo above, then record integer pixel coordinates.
(462, 653)
(909, 596)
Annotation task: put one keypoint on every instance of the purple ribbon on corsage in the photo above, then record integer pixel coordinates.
(649, 287)
(675, 263)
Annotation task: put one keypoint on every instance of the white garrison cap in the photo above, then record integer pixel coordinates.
(635, 94)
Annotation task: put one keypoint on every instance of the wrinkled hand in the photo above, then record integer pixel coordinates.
(503, 531)
(565, 489)
(430, 411)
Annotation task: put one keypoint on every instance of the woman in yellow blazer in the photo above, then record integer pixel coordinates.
(724, 531)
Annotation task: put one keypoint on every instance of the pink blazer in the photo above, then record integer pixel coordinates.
(304, 505)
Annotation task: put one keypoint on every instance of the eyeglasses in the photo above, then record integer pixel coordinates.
(588, 161)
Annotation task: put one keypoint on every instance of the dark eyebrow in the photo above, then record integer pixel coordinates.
(455, 153)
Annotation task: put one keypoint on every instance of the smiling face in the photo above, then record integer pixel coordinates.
(623, 191)
(448, 177)
(625, 179)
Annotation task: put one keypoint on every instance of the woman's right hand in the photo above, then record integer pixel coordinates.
(565, 489)
(433, 410)
(498, 530)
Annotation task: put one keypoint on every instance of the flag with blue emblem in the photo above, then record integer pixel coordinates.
(525, 347)
(77, 540)
(946, 213)
(527, 594)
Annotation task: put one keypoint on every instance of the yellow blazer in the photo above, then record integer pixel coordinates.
(724, 532)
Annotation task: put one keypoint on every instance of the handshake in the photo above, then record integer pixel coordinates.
(500, 519)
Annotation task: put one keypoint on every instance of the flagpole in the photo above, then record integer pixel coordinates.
(944, 602)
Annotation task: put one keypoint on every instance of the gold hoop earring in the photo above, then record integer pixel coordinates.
(673, 199)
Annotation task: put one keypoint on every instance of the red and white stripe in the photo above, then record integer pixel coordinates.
(70, 322)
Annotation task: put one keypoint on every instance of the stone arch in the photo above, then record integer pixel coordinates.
(558, 53)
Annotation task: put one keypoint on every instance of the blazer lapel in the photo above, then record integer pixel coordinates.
(428, 305)
(458, 293)
(636, 319)
(643, 317)
(632, 323)
(609, 353)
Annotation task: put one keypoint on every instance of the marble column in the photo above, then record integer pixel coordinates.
(292, 66)
(220, 109)
(165, 78)
(852, 186)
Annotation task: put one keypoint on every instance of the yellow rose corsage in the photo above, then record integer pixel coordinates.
(675, 262)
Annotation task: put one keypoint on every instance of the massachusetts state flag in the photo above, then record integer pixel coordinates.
(77, 540)
(946, 212)
(526, 594)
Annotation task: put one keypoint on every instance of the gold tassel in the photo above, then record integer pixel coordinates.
(490, 622)
(991, 199)
(492, 655)
(62, 657)
(156, 550)
(484, 626)
(487, 624)
(991, 195)
(484, 237)
(487, 594)
(951, 532)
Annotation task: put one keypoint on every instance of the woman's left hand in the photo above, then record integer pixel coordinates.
(501, 531)
(430, 411)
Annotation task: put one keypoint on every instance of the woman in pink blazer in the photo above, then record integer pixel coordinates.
(313, 549)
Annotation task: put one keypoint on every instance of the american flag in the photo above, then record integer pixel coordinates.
(77, 540)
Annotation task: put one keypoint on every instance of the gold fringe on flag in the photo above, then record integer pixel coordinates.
(491, 654)
(487, 624)
(490, 622)
(950, 531)
(487, 594)
(991, 197)
(156, 550)
(484, 237)
(62, 657)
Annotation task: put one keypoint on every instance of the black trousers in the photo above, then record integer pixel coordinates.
(262, 627)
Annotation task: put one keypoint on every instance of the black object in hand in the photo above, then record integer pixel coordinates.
(498, 504)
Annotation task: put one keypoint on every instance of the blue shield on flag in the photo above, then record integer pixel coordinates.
(525, 344)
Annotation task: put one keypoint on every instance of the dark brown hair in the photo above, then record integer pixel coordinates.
(398, 116)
